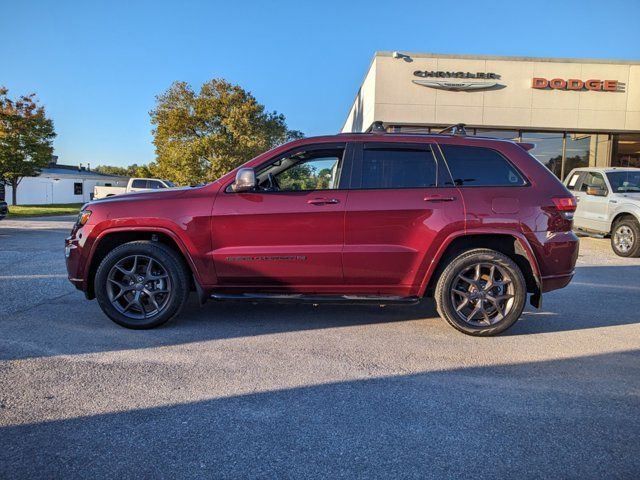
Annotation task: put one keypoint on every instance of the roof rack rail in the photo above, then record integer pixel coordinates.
(457, 129)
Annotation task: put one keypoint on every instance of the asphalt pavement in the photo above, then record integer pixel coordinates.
(234, 390)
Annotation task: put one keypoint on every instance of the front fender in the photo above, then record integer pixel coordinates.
(191, 240)
(623, 207)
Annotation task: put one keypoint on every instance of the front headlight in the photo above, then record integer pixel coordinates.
(83, 217)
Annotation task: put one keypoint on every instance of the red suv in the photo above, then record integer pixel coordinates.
(379, 218)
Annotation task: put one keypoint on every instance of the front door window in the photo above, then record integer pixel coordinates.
(302, 171)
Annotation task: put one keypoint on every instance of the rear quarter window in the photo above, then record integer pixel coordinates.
(480, 167)
(573, 181)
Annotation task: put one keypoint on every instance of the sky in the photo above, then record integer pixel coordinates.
(97, 66)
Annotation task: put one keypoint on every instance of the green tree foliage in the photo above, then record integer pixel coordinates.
(304, 176)
(135, 170)
(26, 139)
(201, 136)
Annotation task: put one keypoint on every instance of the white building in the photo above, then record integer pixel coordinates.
(62, 184)
(577, 112)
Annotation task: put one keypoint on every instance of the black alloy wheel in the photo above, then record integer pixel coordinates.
(481, 292)
(142, 284)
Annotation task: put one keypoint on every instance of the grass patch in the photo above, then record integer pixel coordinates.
(44, 210)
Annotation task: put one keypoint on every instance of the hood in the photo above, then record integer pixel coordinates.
(629, 196)
(163, 194)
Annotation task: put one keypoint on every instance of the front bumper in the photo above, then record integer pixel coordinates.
(73, 259)
(4, 210)
(77, 247)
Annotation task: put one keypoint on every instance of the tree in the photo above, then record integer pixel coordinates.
(26, 136)
(134, 170)
(201, 136)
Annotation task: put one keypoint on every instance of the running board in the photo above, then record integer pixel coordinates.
(589, 233)
(316, 299)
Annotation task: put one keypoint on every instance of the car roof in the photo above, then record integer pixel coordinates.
(606, 169)
(403, 137)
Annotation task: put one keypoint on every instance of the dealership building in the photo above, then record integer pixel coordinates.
(577, 112)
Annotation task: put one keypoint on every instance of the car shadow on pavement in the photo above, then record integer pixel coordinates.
(70, 325)
(597, 297)
(67, 324)
(569, 418)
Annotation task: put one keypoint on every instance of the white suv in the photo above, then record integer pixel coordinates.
(608, 204)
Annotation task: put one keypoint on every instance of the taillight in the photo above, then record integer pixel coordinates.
(566, 206)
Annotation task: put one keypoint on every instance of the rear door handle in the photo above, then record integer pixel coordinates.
(438, 198)
(322, 201)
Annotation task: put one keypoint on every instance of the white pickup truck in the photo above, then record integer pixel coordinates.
(608, 204)
(134, 185)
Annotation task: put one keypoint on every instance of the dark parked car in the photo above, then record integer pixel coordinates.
(4, 210)
(477, 223)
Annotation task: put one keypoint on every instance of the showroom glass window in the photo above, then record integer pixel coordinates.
(626, 150)
(578, 151)
(548, 149)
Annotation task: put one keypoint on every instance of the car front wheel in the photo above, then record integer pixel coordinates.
(142, 284)
(481, 292)
(625, 238)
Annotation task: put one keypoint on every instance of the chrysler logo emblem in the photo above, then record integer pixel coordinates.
(457, 86)
(457, 81)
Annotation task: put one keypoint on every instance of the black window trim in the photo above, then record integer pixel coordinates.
(526, 183)
(358, 157)
(342, 170)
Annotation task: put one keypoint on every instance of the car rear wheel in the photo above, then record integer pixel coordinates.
(481, 292)
(625, 238)
(142, 284)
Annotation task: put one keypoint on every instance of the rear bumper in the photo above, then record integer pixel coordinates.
(4, 210)
(557, 253)
(555, 282)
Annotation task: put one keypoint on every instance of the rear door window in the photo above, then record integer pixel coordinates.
(139, 184)
(480, 167)
(390, 167)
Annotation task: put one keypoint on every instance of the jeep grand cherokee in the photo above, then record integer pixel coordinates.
(477, 223)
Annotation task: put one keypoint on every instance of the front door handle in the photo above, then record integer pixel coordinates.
(438, 198)
(322, 201)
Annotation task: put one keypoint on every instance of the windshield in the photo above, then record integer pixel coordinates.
(169, 183)
(625, 181)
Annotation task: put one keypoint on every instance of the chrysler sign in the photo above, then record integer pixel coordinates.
(442, 74)
(454, 82)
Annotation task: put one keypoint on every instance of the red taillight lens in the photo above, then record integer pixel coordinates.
(565, 204)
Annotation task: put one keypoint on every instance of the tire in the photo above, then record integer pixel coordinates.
(500, 305)
(625, 238)
(150, 272)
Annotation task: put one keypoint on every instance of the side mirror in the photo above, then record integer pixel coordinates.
(245, 180)
(596, 191)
